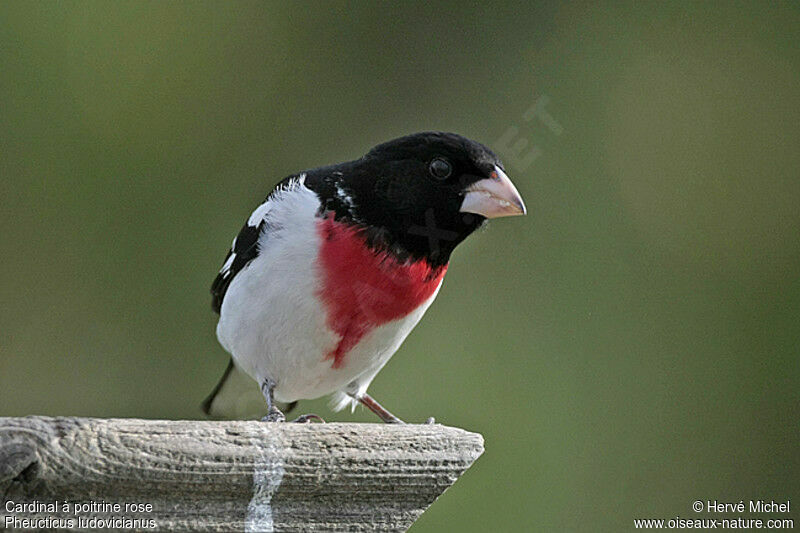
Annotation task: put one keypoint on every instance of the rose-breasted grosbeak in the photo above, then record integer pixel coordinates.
(336, 267)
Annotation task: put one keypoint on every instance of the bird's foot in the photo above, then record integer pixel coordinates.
(277, 416)
(305, 419)
(370, 403)
(274, 415)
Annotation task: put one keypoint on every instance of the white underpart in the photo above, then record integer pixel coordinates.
(375, 350)
(274, 324)
(268, 472)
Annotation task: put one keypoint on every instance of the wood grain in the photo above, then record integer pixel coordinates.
(233, 476)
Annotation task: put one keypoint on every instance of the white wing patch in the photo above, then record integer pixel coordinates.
(344, 196)
(226, 268)
(246, 246)
(259, 214)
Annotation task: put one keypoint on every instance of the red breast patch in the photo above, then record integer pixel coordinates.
(362, 288)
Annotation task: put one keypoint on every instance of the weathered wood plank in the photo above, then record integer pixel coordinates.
(229, 476)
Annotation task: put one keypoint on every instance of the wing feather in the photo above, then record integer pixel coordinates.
(245, 246)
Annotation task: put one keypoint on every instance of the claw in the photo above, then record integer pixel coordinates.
(274, 415)
(305, 419)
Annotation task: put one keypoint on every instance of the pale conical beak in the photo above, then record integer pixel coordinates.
(493, 197)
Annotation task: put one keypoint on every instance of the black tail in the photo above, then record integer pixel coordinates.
(206, 405)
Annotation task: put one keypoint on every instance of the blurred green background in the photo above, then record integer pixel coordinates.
(628, 347)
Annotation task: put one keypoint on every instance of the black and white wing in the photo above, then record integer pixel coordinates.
(243, 250)
(322, 181)
(245, 246)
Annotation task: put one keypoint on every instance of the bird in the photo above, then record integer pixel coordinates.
(338, 264)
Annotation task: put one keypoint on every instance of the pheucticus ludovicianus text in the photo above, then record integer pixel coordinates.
(336, 267)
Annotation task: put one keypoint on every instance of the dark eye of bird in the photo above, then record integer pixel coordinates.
(440, 168)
